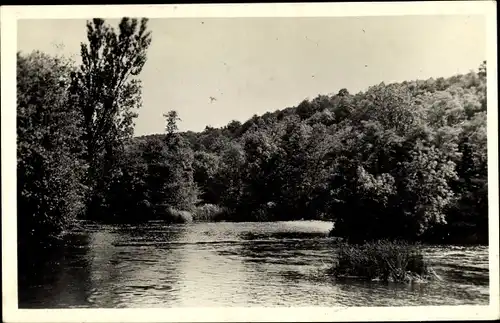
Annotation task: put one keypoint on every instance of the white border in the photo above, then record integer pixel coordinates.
(9, 17)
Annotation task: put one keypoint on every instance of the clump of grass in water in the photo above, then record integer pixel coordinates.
(390, 261)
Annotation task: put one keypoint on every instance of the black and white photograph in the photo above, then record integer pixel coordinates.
(196, 158)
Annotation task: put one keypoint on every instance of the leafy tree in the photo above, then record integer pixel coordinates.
(229, 178)
(260, 156)
(482, 70)
(48, 151)
(172, 118)
(182, 191)
(129, 193)
(107, 93)
(205, 169)
(389, 171)
(49, 164)
(155, 176)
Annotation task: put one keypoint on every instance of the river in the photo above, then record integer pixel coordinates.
(232, 264)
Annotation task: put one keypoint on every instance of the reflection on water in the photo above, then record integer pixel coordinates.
(232, 264)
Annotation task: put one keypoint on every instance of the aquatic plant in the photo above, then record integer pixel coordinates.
(382, 260)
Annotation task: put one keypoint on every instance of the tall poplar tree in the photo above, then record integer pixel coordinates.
(108, 94)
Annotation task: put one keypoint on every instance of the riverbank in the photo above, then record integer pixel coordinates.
(216, 214)
(442, 235)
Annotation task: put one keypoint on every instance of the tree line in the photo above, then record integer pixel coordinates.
(398, 161)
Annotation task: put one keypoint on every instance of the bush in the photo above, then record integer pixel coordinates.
(177, 216)
(210, 212)
(381, 260)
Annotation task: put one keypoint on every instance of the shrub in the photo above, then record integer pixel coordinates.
(177, 216)
(382, 260)
(210, 212)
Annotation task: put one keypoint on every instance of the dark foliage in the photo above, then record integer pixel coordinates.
(49, 165)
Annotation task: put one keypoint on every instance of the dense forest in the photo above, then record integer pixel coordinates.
(397, 161)
(401, 160)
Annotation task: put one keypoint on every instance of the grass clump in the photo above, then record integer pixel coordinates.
(390, 261)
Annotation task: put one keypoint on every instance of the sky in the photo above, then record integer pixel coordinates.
(255, 65)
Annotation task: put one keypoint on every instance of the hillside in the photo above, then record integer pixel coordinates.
(323, 108)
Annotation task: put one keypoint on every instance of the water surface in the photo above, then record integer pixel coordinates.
(232, 264)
